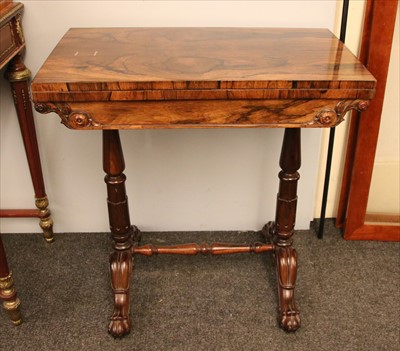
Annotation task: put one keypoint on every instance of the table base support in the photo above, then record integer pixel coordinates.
(194, 249)
(121, 270)
(278, 234)
(285, 259)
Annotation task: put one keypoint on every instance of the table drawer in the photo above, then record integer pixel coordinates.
(11, 37)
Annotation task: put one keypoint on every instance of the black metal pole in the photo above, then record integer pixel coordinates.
(343, 27)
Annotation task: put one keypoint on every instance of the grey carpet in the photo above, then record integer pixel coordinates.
(348, 294)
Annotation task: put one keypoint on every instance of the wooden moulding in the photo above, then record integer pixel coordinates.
(383, 218)
(205, 94)
(203, 113)
(134, 78)
(194, 249)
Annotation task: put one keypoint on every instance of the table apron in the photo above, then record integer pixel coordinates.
(202, 114)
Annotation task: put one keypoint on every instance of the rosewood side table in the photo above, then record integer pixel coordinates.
(138, 78)
(12, 46)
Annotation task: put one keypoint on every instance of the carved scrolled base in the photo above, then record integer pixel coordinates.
(46, 222)
(286, 264)
(286, 269)
(121, 269)
(11, 302)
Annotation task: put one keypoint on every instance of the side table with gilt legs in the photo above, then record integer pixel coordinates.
(112, 79)
(12, 46)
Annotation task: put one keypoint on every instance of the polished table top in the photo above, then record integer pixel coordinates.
(178, 64)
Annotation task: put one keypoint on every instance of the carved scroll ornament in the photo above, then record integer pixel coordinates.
(71, 119)
(333, 117)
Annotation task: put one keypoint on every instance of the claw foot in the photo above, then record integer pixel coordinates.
(289, 321)
(119, 326)
(121, 269)
(120, 323)
(288, 316)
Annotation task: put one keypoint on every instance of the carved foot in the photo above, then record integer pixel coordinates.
(11, 301)
(289, 315)
(46, 223)
(289, 321)
(120, 323)
(13, 311)
(121, 269)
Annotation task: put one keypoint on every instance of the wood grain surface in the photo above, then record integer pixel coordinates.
(202, 113)
(119, 64)
(132, 78)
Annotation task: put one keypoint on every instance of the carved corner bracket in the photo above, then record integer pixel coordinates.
(332, 117)
(71, 119)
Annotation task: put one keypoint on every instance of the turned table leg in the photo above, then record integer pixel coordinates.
(8, 294)
(121, 259)
(281, 232)
(19, 75)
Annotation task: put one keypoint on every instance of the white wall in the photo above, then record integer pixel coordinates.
(353, 40)
(177, 180)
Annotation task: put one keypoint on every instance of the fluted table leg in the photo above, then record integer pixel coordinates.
(19, 76)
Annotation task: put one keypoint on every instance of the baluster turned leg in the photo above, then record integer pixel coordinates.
(121, 259)
(19, 75)
(8, 294)
(282, 230)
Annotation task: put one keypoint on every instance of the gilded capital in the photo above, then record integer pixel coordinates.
(18, 75)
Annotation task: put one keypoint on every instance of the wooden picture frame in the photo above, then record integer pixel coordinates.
(377, 37)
